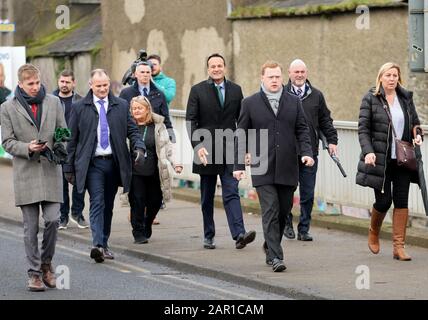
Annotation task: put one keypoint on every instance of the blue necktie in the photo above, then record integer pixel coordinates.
(299, 92)
(145, 92)
(103, 126)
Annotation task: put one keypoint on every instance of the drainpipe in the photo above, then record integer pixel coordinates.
(425, 35)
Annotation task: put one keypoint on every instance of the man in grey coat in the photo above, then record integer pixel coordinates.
(28, 124)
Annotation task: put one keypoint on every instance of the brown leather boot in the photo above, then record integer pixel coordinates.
(399, 223)
(48, 277)
(374, 230)
(35, 284)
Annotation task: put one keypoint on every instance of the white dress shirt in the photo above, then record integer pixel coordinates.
(100, 151)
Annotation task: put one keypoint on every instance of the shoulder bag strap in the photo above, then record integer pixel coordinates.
(386, 108)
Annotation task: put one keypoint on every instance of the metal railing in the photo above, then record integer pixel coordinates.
(331, 186)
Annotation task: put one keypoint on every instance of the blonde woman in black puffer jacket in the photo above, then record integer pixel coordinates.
(378, 167)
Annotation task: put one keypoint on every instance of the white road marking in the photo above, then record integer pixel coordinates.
(128, 268)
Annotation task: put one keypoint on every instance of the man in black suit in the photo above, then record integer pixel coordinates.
(144, 86)
(319, 121)
(98, 155)
(280, 127)
(213, 107)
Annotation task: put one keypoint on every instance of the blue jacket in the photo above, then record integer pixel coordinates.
(166, 85)
(83, 125)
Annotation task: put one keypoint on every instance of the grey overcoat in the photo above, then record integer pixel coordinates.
(35, 178)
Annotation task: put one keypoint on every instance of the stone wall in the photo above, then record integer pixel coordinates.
(343, 61)
(182, 32)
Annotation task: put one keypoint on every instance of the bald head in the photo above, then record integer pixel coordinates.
(298, 73)
(297, 64)
(99, 83)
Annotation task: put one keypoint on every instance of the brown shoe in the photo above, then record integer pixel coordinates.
(374, 230)
(35, 284)
(48, 277)
(399, 223)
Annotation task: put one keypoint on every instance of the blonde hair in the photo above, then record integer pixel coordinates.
(387, 66)
(27, 71)
(144, 102)
(271, 65)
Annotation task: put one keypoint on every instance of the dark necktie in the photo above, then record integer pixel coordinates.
(299, 92)
(103, 126)
(145, 92)
(220, 95)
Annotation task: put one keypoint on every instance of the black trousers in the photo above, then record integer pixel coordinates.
(145, 198)
(275, 201)
(396, 189)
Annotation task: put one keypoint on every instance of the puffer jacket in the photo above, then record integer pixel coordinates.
(375, 135)
(166, 156)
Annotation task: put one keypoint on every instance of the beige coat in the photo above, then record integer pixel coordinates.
(35, 178)
(166, 156)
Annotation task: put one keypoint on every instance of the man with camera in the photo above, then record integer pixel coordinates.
(166, 84)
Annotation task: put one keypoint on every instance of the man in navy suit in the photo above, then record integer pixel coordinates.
(213, 107)
(98, 155)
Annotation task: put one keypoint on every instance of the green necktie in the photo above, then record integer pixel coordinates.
(220, 96)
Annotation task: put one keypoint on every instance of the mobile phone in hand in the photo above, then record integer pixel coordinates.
(41, 142)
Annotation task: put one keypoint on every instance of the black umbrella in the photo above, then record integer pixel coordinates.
(421, 175)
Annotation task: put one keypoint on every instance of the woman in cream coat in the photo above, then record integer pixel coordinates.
(151, 178)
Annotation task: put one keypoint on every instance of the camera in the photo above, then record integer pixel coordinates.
(128, 77)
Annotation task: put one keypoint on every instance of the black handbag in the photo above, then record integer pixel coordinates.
(404, 151)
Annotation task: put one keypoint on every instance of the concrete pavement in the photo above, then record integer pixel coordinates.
(324, 268)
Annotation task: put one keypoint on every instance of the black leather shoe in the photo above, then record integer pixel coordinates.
(269, 262)
(141, 240)
(304, 236)
(278, 265)
(209, 243)
(289, 232)
(244, 239)
(97, 254)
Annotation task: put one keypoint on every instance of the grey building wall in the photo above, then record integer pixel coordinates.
(343, 60)
(182, 32)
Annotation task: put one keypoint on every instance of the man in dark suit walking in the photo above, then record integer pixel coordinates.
(212, 111)
(144, 86)
(319, 121)
(280, 127)
(98, 155)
